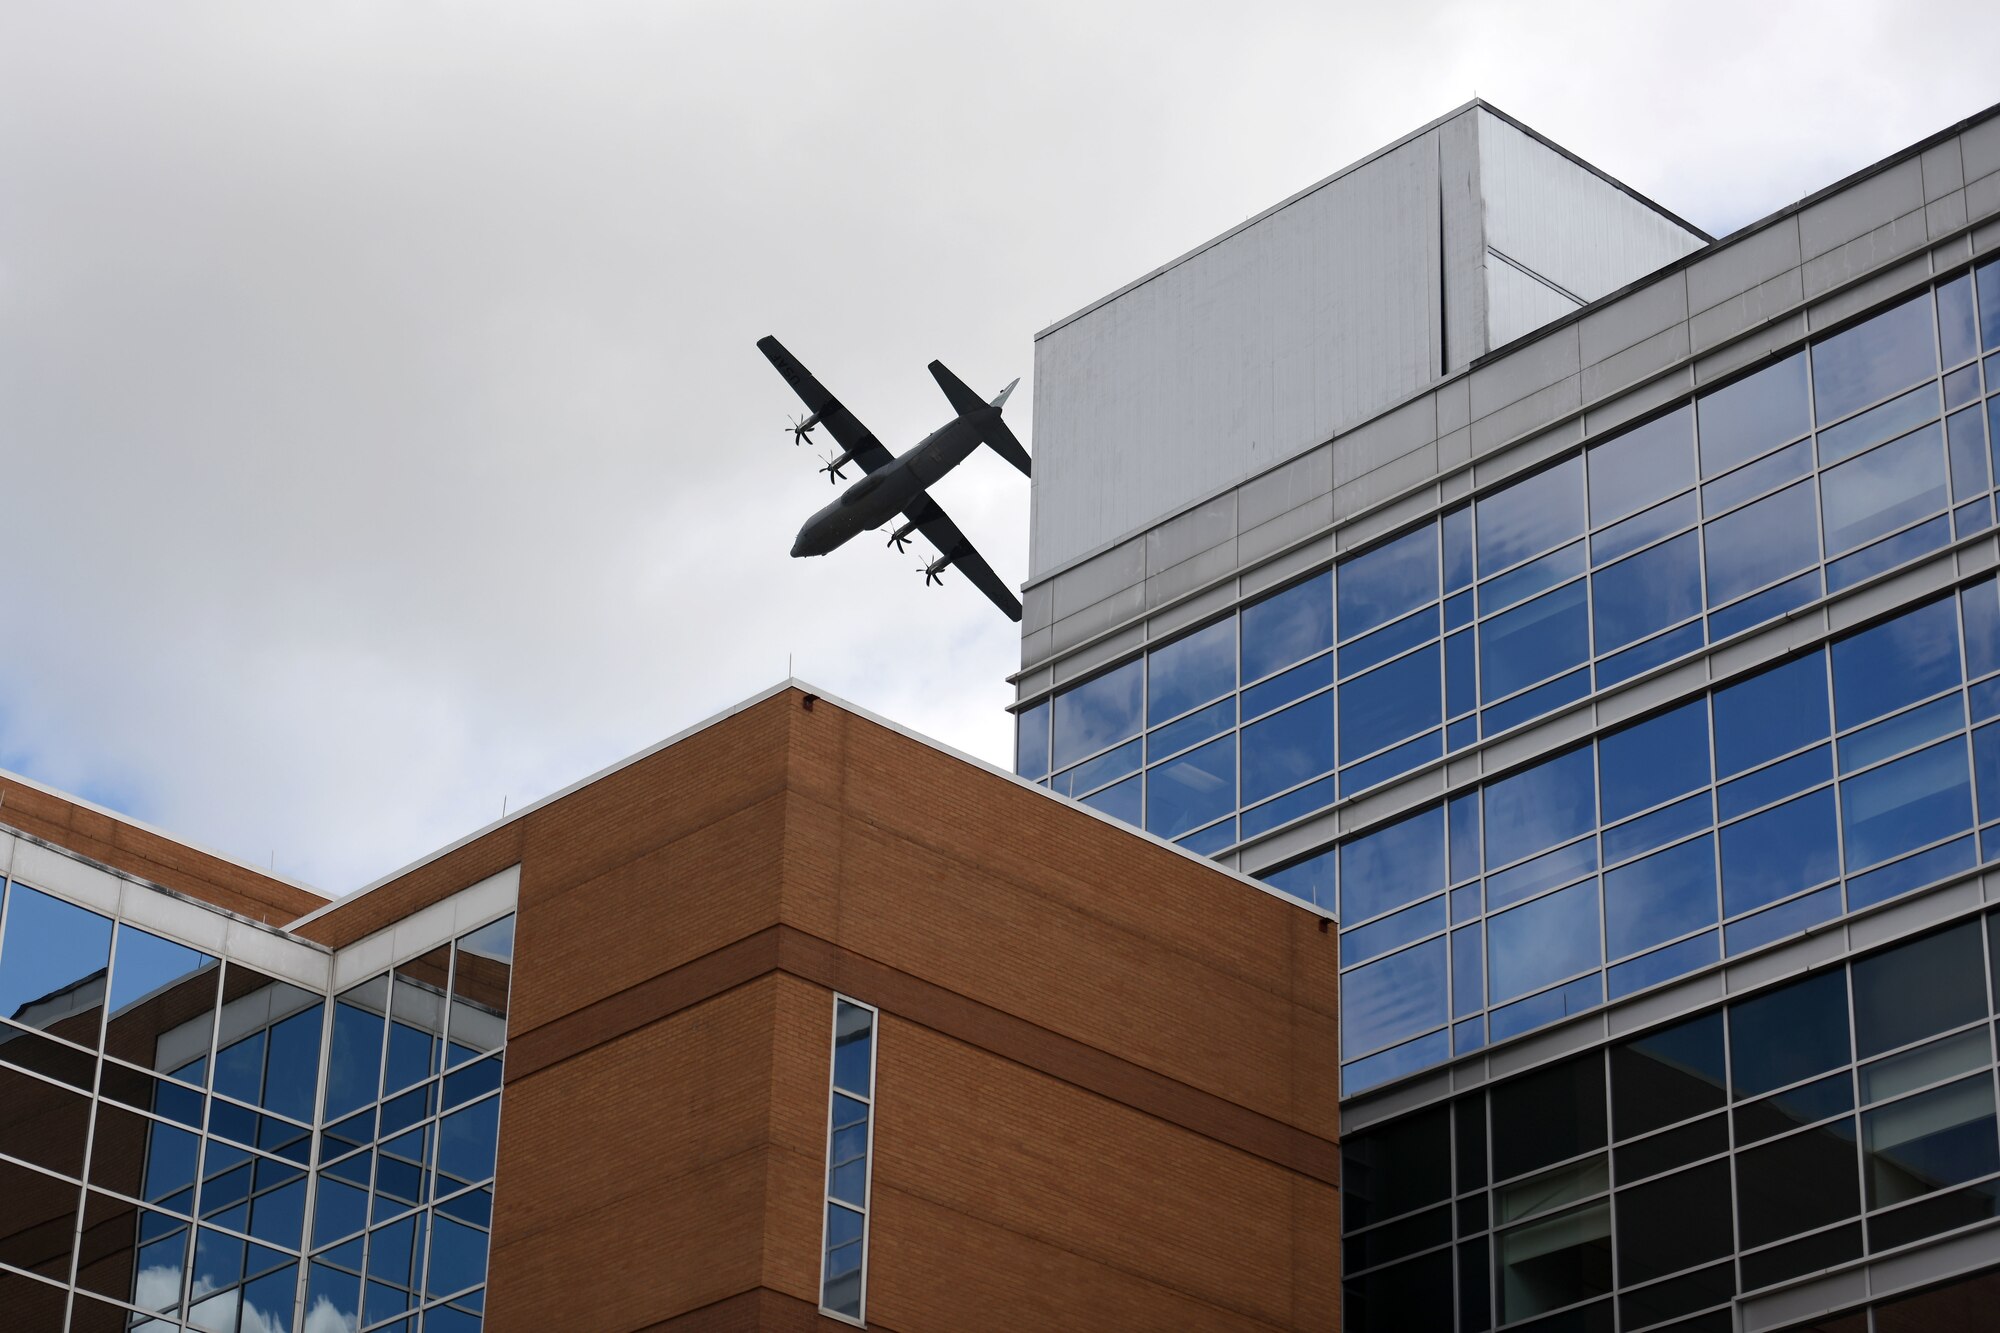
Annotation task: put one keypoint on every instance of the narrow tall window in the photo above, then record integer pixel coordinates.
(850, 1135)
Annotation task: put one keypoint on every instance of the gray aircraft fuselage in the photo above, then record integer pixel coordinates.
(882, 495)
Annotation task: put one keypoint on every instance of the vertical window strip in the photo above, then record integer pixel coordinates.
(850, 1145)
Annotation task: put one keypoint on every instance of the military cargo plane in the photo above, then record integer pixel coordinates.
(897, 486)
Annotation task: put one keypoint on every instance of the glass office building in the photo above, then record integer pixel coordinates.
(206, 1124)
(1631, 694)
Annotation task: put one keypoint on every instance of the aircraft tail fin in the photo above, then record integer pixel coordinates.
(964, 400)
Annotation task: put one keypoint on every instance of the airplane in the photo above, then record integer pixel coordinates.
(899, 485)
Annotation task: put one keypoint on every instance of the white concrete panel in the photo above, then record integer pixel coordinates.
(1571, 226)
(67, 877)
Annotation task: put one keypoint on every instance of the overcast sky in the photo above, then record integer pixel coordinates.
(383, 434)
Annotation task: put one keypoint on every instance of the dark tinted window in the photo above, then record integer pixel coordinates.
(1674, 1222)
(1787, 1034)
(1795, 1184)
(1547, 1116)
(1919, 988)
(1667, 1075)
(1398, 1168)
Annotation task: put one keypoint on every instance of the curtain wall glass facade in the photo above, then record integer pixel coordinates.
(189, 1143)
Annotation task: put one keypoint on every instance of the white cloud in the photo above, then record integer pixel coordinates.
(383, 432)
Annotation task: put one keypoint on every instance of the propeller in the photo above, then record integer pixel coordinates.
(900, 538)
(831, 467)
(801, 428)
(933, 572)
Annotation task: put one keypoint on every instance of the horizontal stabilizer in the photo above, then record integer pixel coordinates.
(995, 432)
(1005, 445)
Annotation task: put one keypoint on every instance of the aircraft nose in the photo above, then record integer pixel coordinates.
(799, 546)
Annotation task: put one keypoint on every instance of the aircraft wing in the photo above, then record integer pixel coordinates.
(859, 442)
(941, 532)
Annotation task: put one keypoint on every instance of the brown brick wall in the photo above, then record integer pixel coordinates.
(1108, 1069)
(113, 842)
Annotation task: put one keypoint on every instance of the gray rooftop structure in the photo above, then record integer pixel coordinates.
(1318, 313)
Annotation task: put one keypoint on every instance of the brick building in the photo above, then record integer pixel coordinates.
(809, 1021)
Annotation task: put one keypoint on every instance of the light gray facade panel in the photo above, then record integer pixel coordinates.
(1944, 170)
(1629, 406)
(1861, 208)
(1572, 227)
(1947, 215)
(1982, 199)
(1291, 526)
(1312, 555)
(1666, 348)
(1209, 524)
(1191, 612)
(1038, 644)
(1113, 647)
(1455, 451)
(1527, 370)
(1727, 319)
(1464, 242)
(1454, 404)
(1640, 315)
(1979, 149)
(1097, 578)
(1741, 263)
(1305, 479)
(1385, 440)
(1037, 608)
(1381, 522)
(1754, 346)
(1878, 287)
(1503, 427)
(1180, 580)
(1374, 488)
(1907, 234)
(1518, 303)
(1088, 622)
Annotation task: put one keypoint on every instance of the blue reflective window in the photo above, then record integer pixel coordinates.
(1289, 685)
(1464, 836)
(1552, 802)
(1288, 626)
(1031, 742)
(1988, 277)
(1538, 575)
(1461, 675)
(1393, 998)
(1529, 516)
(1904, 731)
(1896, 417)
(1784, 849)
(1766, 474)
(1468, 972)
(1771, 713)
(1873, 359)
(1388, 582)
(1667, 894)
(1758, 412)
(457, 1258)
(1647, 592)
(1958, 321)
(1397, 636)
(1986, 766)
(1533, 642)
(354, 1063)
(147, 964)
(1389, 703)
(1884, 489)
(1393, 865)
(1457, 548)
(1190, 671)
(468, 1139)
(50, 951)
(1965, 436)
(239, 1068)
(1097, 713)
(1107, 767)
(1622, 841)
(1895, 663)
(1643, 529)
(1903, 805)
(1654, 761)
(1177, 736)
(1762, 542)
(1393, 931)
(1310, 880)
(1121, 801)
(1510, 886)
(1193, 790)
(1775, 783)
(1642, 466)
(1543, 941)
(1287, 748)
